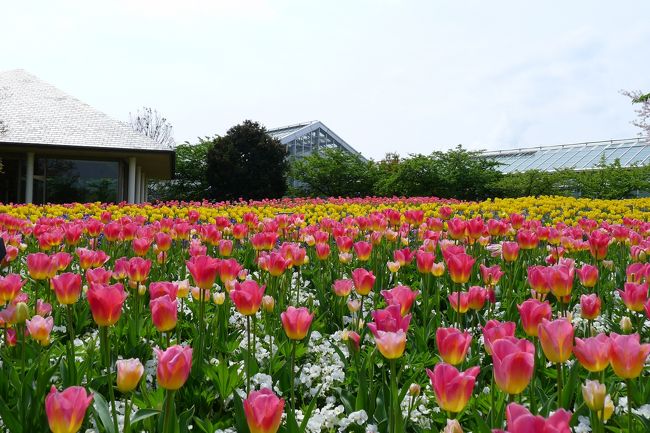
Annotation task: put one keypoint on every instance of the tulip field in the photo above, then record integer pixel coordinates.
(383, 315)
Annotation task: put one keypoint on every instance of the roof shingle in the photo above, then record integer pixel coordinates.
(36, 112)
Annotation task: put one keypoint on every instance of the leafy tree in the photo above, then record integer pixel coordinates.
(152, 124)
(190, 181)
(532, 183)
(611, 181)
(466, 174)
(333, 172)
(417, 175)
(247, 163)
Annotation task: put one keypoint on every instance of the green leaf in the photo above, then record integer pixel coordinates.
(240, 416)
(143, 414)
(101, 409)
(9, 419)
(310, 409)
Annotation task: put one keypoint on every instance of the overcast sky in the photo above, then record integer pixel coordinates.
(385, 75)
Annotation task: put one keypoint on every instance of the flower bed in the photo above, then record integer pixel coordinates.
(366, 315)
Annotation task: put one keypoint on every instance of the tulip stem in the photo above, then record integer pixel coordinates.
(199, 360)
(293, 365)
(106, 350)
(395, 423)
(628, 385)
(71, 361)
(127, 416)
(169, 408)
(248, 355)
(559, 384)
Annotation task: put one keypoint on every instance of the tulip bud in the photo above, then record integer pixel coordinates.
(22, 312)
(219, 298)
(625, 324)
(414, 390)
(354, 305)
(608, 409)
(183, 289)
(268, 303)
(142, 289)
(393, 266)
(129, 372)
(453, 426)
(594, 394)
(85, 288)
(608, 264)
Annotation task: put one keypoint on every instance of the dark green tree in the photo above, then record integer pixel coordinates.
(247, 163)
(190, 180)
(333, 172)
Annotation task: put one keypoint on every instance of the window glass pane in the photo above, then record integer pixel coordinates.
(67, 180)
(638, 159)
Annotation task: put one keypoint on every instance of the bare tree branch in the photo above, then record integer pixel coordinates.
(150, 123)
(643, 111)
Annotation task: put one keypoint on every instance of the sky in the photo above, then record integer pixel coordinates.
(401, 76)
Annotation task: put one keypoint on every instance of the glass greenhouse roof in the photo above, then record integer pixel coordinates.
(306, 138)
(581, 156)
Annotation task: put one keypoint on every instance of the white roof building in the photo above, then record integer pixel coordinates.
(56, 148)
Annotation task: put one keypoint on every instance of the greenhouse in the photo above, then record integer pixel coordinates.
(303, 139)
(579, 156)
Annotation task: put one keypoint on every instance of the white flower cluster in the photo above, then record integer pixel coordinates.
(324, 368)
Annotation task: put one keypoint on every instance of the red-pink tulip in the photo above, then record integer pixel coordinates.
(39, 266)
(598, 244)
(532, 312)
(491, 275)
(556, 338)
(520, 420)
(389, 320)
(456, 297)
(39, 329)
(588, 275)
(174, 365)
(363, 281)
(98, 276)
(106, 303)
(164, 313)
(296, 322)
(66, 410)
(247, 297)
(514, 362)
(67, 288)
(593, 353)
(495, 330)
(402, 296)
(453, 344)
(139, 269)
(162, 288)
(634, 295)
(510, 251)
(363, 250)
(589, 306)
(459, 267)
(343, 288)
(204, 270)
(9, 287)
(452, 388)
(627, 355)
(263, 410)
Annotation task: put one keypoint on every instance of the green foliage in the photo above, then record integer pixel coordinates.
(457, 173)
(333, 173)
(190, 181)
(246, 163)
(606, 181)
